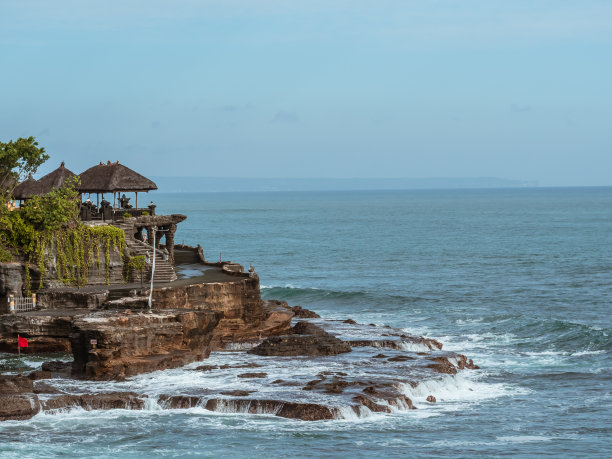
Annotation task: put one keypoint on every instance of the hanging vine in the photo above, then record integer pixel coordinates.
(134, 264)
(75, 249)
(46, 232)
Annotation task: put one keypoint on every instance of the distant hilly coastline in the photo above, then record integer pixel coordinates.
(219, 184)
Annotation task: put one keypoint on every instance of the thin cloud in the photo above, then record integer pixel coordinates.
(283, 116)
(518, 108)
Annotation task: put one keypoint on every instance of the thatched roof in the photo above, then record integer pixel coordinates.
(112, 177)
(27, 188)
(55, 179)
(51, 181)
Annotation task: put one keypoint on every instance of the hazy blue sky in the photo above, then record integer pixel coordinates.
(466, 88)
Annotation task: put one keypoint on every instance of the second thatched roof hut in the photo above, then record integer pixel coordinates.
(52, 181)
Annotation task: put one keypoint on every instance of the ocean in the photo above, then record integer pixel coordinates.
(518, 279)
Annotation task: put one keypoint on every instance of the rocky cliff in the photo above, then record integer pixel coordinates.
(128, 344)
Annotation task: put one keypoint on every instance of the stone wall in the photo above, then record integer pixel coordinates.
(54, 299)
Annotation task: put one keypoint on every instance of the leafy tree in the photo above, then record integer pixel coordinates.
(55, 209)
(18, 159)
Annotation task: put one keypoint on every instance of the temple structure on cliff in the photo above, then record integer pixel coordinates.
(105, 319)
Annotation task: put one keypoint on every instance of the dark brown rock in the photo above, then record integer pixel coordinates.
(311, 384)
(178, 401)
(442, 365)
(431, 399)
(400, 358)
(307, 328)
(298, 311)
(57, 366)
(373, 406)
(210, 367)
(253, 375)
(140, 343)
(291, 410)
(302, 313)
(390, 343)
(225, 367)
(370, 390)
(293, 345)
(89, 402)
(380, 356)
(39, 374)
(18, 406)
(13, 384)
(306, 339)
(45, 333)
(463, 362)
(349, 321)
(238, 393)
(336, 386)
(402, 402)
(45, 388)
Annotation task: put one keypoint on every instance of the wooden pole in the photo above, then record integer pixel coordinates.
(136, 199)
(152, 271)
(19, 354)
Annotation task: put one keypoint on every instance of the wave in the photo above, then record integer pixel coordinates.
(458, 388)
(565, 336)
(290, 292)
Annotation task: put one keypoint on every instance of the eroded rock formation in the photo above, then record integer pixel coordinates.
(304, 339)
(138, 343)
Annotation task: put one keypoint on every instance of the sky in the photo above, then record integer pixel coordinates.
(331, 89)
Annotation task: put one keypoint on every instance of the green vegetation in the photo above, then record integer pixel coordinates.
(18, 159)
(48, 226)
(135, 263)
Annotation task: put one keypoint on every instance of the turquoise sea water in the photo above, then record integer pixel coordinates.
(520, 280)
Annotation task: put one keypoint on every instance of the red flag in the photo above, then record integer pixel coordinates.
(22, 342)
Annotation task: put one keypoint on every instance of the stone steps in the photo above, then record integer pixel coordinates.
(164, 270)
(116, 294)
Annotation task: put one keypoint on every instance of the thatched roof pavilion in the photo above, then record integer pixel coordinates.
(27, 188)
(51, 181)
(113, 177)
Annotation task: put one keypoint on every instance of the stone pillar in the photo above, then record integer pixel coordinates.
(149, 235)
(170, 242)
(158, 235)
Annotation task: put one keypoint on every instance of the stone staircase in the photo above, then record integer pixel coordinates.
(118, 293)
(164, 270)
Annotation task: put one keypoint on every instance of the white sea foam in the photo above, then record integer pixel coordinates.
(582, 353)
(346, 413)
(151, 404)
(523, 438)
(413, 347)
(241, 346)
(454, 388)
